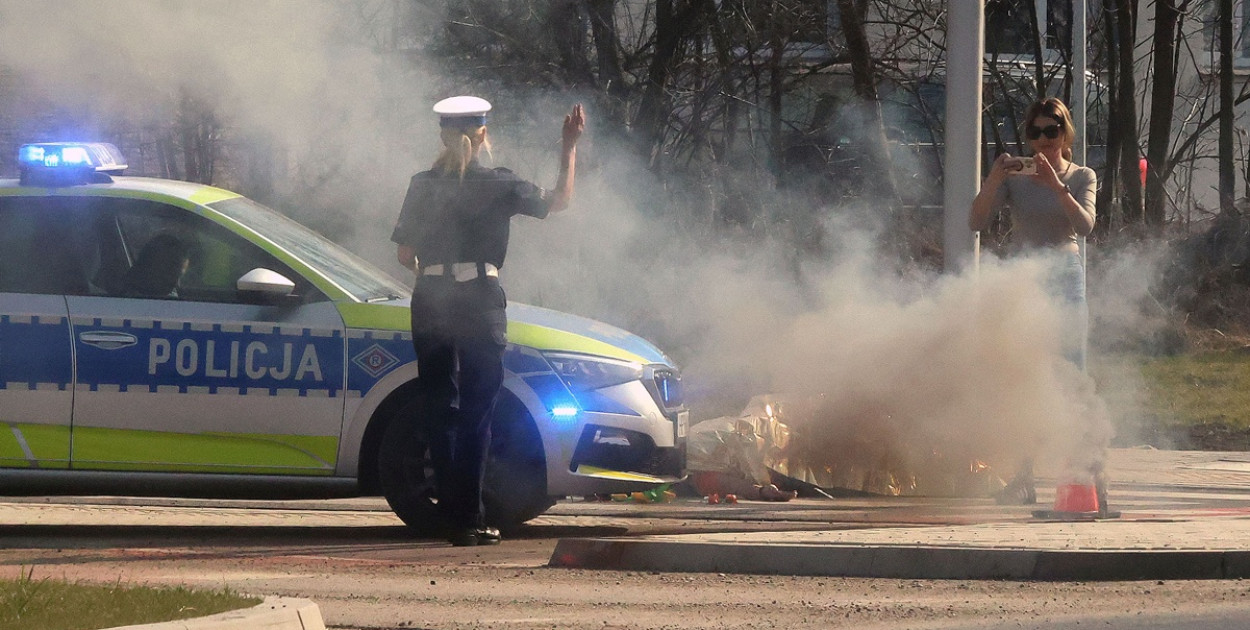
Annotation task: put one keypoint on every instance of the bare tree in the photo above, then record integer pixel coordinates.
(1227, 169)
(569, 35)
(1122, 18)
(198, 133)
(1162, 104)
(876, 149)
(607, 44)
(730, 89)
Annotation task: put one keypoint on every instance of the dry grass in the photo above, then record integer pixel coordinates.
(1196, 400)
(30, 603)
(1209, 387)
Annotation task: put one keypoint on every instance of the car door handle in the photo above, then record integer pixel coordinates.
(108, 340)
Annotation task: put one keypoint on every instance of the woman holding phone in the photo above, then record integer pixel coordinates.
(1052, 207)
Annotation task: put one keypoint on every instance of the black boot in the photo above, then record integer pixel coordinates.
(1019, 491)
(474, 536)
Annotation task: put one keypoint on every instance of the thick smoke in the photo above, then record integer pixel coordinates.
(970, 358)
(343, 125)
(971, 363)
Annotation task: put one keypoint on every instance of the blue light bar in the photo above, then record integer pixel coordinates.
(75, 156)
(81, 159)
(564, 412)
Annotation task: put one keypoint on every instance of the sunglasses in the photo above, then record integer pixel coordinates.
(1050, 131)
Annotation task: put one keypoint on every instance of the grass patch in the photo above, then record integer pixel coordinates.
(1199, 400)
(1212, 387)
(30, 603)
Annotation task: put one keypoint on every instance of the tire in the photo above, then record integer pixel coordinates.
(516, 470)
(406, 476)
(515, 490)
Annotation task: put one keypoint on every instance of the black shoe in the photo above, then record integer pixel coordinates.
(1018, 491)
(473, 536)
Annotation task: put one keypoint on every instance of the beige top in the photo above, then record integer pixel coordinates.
(1037, 218)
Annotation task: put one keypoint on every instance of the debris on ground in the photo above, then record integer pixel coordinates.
(777, 449)
(731, 457)
(658, 494)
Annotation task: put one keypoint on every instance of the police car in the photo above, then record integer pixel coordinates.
(161, 337)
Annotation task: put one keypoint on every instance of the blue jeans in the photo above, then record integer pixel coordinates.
(1066, 283)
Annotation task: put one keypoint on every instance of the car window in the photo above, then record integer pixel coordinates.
(120, 247)
(36, 255)
(346, 270)
(171, 253)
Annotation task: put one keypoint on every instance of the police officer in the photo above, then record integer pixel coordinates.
(453, 233)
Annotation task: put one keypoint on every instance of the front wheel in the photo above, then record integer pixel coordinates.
(406, 475)
(515, 488)
(516, 469)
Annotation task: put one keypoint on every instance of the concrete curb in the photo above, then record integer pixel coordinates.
(906, 562)
(275, 613)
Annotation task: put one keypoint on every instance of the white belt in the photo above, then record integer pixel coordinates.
(462, 272)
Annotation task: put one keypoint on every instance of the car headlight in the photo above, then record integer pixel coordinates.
(582, 372)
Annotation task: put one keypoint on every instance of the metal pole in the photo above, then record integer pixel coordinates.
(965, 48)
(1080, 89)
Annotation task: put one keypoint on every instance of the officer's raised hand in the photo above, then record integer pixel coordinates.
(574, 125)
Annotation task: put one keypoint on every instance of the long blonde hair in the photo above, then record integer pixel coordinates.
(458, 148)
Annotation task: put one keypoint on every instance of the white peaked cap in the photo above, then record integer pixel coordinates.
(460, 110)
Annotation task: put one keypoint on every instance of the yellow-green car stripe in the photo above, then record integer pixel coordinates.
(48, 444)
(544, 338)
(210, 194)
(109, 449)
(375, 316)
(398, 318)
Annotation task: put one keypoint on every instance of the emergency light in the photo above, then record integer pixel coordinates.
(564, 412)
(68, 163)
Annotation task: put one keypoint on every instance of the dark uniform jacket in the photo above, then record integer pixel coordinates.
(448, 220)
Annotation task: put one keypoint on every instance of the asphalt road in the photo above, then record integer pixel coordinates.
(358, 563)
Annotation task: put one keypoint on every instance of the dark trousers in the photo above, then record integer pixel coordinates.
(460, 363)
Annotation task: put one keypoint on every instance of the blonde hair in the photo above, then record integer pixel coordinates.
(1055, 109)
(458, 148)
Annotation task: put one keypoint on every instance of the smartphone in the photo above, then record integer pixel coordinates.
(1027, 166)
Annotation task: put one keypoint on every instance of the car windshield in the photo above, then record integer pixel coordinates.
(351, 273)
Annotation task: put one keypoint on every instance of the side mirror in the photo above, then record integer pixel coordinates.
(267, 282)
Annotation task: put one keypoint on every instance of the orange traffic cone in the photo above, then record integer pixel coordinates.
(1076, 499)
